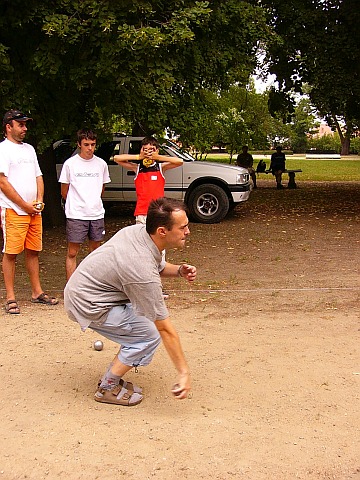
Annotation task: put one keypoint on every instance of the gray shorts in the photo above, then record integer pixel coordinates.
(138, 336)
(77, 231)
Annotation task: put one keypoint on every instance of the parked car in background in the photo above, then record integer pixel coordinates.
(210, 190)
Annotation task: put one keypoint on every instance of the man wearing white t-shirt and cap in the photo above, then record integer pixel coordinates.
(83, 178)
(21, 203)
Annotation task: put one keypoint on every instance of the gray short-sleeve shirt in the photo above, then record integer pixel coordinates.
(124, 269)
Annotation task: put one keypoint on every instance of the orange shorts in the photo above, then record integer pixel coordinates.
(20, 232)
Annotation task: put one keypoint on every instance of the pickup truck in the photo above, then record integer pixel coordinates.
(210, 190)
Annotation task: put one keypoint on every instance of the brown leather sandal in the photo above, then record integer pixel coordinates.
(12, 307)
(45, 299)
(128, 385)
(118, 395)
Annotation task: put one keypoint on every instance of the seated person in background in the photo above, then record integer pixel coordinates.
(246, 160)
(277, 166)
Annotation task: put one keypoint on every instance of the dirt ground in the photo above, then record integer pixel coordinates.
(271, 332)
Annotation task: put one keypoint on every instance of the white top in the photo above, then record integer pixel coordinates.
(19, 163)
(86, 179)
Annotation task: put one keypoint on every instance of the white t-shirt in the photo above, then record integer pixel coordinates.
(19, 163)
(86, 179)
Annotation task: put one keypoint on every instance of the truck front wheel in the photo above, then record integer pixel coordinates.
(208, 204)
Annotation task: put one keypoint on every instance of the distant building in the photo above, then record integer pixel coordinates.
(324, 129)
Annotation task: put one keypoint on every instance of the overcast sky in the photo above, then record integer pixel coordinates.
(261, 85)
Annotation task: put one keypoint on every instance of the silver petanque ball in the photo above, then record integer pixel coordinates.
(98, 345)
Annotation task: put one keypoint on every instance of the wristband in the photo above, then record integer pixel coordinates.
(179, 270)
(137, 157)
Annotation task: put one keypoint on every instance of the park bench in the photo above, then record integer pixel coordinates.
(291, 174)
(316, 154)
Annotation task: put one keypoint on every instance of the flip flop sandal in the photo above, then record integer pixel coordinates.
(44, 299)
(119, 395)
(12, 307)
(128, 385)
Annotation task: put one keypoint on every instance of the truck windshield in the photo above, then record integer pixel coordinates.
(168, 145)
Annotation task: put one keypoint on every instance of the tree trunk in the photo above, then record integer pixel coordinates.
(53, 214)
(344, 138)
(141, 130)
(345, 145)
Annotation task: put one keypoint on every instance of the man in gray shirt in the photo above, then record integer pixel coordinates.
(116, 291)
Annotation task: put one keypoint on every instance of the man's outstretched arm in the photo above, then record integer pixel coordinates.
(173, 347)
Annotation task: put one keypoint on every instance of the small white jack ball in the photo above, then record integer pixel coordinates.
(98, 345)
(175, 387)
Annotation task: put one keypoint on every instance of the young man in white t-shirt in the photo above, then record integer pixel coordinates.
(83, 179)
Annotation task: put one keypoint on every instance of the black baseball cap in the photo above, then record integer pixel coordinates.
(15, 115)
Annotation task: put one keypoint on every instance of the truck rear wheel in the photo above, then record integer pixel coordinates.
(208, 204)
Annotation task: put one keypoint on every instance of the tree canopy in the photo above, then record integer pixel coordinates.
(146, 65)
(71, 62)
(317, 45)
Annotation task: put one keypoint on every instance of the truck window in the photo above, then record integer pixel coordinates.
(134, 147)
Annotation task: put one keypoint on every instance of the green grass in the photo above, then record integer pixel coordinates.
(312, 170)
(326, 170)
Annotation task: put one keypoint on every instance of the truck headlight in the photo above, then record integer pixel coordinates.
(242, 178)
